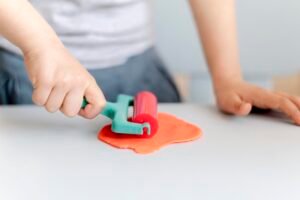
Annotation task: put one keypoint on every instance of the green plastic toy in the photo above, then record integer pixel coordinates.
(118, 113)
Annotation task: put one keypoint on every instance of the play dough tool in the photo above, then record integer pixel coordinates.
(144, 120)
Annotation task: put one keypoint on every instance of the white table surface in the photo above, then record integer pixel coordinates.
(48, 156)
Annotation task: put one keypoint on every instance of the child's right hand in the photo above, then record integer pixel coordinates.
(60, 82)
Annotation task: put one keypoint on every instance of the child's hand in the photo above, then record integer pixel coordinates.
(60, 82)
(238, 97)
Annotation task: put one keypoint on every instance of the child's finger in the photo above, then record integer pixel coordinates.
(245, 109)
(294, 99)
(55, 99)
(40, 94)
(96, 100)
(277, 101)
(291, 110)
(235, 105)
(72, 102)
(286, 106)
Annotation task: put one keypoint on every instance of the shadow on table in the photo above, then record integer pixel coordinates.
(274, 115)
(39, 121)
(268, 114)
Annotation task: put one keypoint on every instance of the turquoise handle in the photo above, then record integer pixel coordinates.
(108, 110)
(84, 103)
(118, 113)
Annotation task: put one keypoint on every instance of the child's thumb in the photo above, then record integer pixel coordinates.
(239, 106)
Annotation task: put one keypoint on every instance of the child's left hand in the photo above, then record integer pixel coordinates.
(237, 97)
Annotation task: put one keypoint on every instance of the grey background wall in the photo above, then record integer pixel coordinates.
(269, 37)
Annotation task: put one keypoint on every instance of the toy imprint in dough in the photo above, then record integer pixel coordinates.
(171, 130)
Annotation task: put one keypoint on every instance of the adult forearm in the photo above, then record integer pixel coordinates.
(21, 24)
(216, 23)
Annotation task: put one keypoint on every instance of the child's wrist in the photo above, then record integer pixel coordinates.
(224, 80)
(41, 45)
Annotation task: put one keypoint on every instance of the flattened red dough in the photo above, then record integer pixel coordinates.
(171, 130)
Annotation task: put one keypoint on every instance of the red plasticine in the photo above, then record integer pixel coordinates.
(171, 130)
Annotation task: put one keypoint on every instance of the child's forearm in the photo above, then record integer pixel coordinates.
(21, 24)
(216, 23)
(217, 26)
(59, 81)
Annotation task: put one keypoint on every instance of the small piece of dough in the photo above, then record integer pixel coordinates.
(171, 130)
